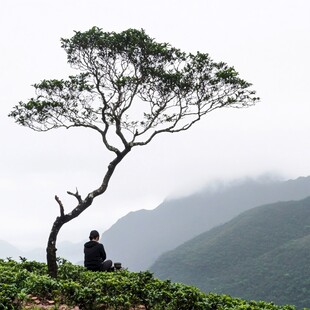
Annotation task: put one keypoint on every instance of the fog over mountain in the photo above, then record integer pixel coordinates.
(70, 251)
(8, 250)
(140, 237)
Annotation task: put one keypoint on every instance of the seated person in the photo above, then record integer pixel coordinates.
(94, 254)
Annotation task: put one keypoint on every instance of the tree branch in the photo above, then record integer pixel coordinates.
(76, 195)
(62, 211)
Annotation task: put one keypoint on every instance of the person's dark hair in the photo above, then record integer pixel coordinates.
(93, 235)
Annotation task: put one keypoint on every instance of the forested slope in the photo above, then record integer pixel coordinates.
(264, 253)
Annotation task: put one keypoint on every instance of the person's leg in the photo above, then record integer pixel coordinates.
(106, 265)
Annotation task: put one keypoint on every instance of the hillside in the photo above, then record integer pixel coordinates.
(140, 237)
(262, 254)
(25, 285)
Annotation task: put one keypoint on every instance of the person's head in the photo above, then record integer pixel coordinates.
(94, 235)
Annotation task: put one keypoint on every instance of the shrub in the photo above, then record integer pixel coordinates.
(121, 290)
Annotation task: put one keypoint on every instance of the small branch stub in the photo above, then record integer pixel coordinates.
(62, 211)
(76, 195)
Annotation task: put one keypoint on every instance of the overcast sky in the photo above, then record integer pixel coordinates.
(268, 43)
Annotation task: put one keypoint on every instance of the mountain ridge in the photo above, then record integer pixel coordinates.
(140, 237)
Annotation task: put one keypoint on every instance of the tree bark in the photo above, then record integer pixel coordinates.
(51, 248)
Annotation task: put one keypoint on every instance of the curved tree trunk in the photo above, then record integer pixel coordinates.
(82, 206)
(51, 248)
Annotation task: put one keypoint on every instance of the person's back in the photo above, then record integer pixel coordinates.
(95, 255)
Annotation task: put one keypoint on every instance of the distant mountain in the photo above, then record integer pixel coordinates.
(72, 252)
(140, 237)
(262, 254)
(8, 250)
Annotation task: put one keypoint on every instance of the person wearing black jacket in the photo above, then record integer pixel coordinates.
(95, 255)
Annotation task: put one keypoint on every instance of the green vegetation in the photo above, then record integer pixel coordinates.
(21, 281)
(263, 254)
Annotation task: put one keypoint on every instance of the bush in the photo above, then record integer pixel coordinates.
(108, 290)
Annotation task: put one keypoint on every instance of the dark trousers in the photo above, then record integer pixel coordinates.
(106, 265)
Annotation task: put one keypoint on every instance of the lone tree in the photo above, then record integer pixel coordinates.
(129, 89)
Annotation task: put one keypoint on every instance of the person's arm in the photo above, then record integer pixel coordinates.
(103, 254)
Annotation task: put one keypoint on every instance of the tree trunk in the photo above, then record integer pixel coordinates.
(82, 206)
(51, 248)
(51, 259)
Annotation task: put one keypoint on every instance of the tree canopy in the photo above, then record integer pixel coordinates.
(130, 86)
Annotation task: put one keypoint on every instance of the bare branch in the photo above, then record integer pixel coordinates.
(76, 195)
(62, 212)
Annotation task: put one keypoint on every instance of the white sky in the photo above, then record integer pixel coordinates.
(267, 41)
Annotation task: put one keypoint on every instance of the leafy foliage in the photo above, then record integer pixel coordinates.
(129, 82)
(115, 290)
